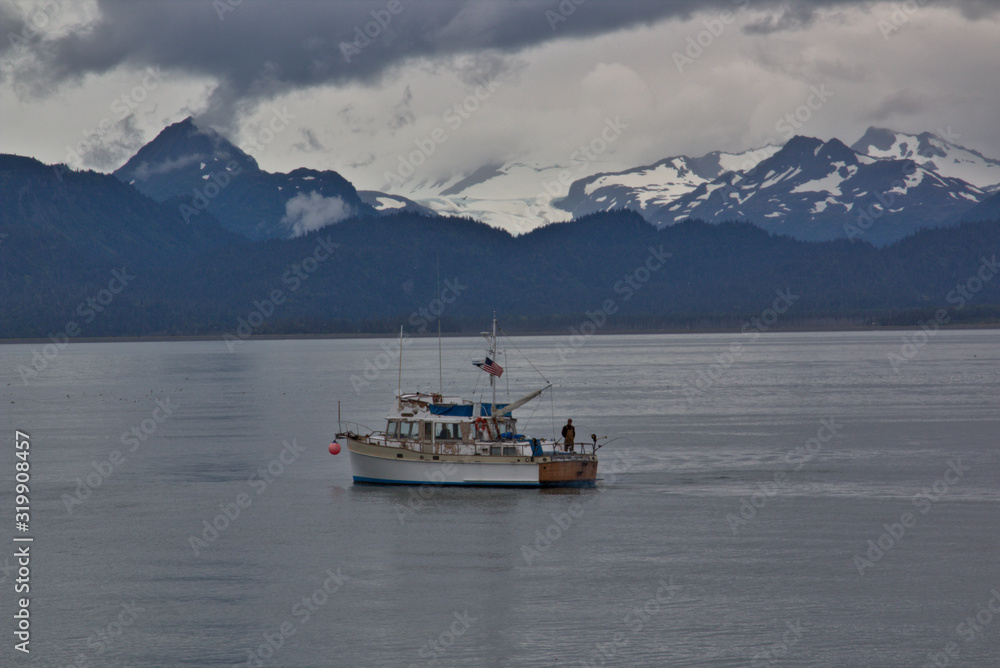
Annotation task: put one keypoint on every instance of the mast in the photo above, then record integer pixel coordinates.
(493, 356)
(399, 381)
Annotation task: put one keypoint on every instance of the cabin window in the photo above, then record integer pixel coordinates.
(428, 431)
(447, 431)
(393, 430)
(408, 429)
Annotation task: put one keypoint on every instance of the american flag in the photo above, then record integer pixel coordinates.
(490, 367)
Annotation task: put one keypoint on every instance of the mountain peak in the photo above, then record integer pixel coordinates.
(802, 151)
(932, 151)
(179, 146)
(798, 149)
(879, 138)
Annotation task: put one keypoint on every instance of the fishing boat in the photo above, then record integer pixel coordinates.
(431, 438)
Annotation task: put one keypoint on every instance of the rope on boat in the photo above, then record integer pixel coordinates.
(528, 359)
(460, 367)
(552, 404)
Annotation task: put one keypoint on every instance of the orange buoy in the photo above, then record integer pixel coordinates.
(335, 448)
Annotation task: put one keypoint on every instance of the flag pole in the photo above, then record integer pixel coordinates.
(493, 352)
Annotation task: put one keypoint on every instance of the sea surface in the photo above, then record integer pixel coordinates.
(798, 499)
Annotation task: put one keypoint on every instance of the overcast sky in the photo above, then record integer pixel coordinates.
(353, 86)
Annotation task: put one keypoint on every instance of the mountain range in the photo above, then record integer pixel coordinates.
(66, 237)
(882, 188)
(885, 187)
(208, 236)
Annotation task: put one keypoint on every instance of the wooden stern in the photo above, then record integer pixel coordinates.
(573, 471)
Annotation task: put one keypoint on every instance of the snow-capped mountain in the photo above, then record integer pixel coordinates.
(387, 204)
(932, 152)
(517, 196)
(817, 191)
(645, 188)
(890, 185)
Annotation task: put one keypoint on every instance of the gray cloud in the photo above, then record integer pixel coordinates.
(145, 170)
(256, 50)
(307, 212)
(310, 143)
(402, 114)
(109, 149)
(905, 102)
(789, 18)
(557, 61)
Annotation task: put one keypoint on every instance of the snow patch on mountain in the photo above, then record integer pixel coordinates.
(932, 152)
(517, 196)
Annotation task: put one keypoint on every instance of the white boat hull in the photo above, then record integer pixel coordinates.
(375, 464)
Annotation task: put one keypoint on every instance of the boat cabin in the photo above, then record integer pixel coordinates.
(431, 422)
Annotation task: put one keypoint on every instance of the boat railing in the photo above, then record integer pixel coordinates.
(345, 426)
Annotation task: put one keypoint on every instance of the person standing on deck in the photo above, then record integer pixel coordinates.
(569, 434)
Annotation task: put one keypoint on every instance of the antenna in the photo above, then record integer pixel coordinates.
(440, 373)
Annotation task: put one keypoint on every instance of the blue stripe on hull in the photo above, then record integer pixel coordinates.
(380, 481)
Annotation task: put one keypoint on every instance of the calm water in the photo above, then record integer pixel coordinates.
(720, 535)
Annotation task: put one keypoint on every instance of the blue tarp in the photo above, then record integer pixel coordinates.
(463, 410)
(451, 411)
